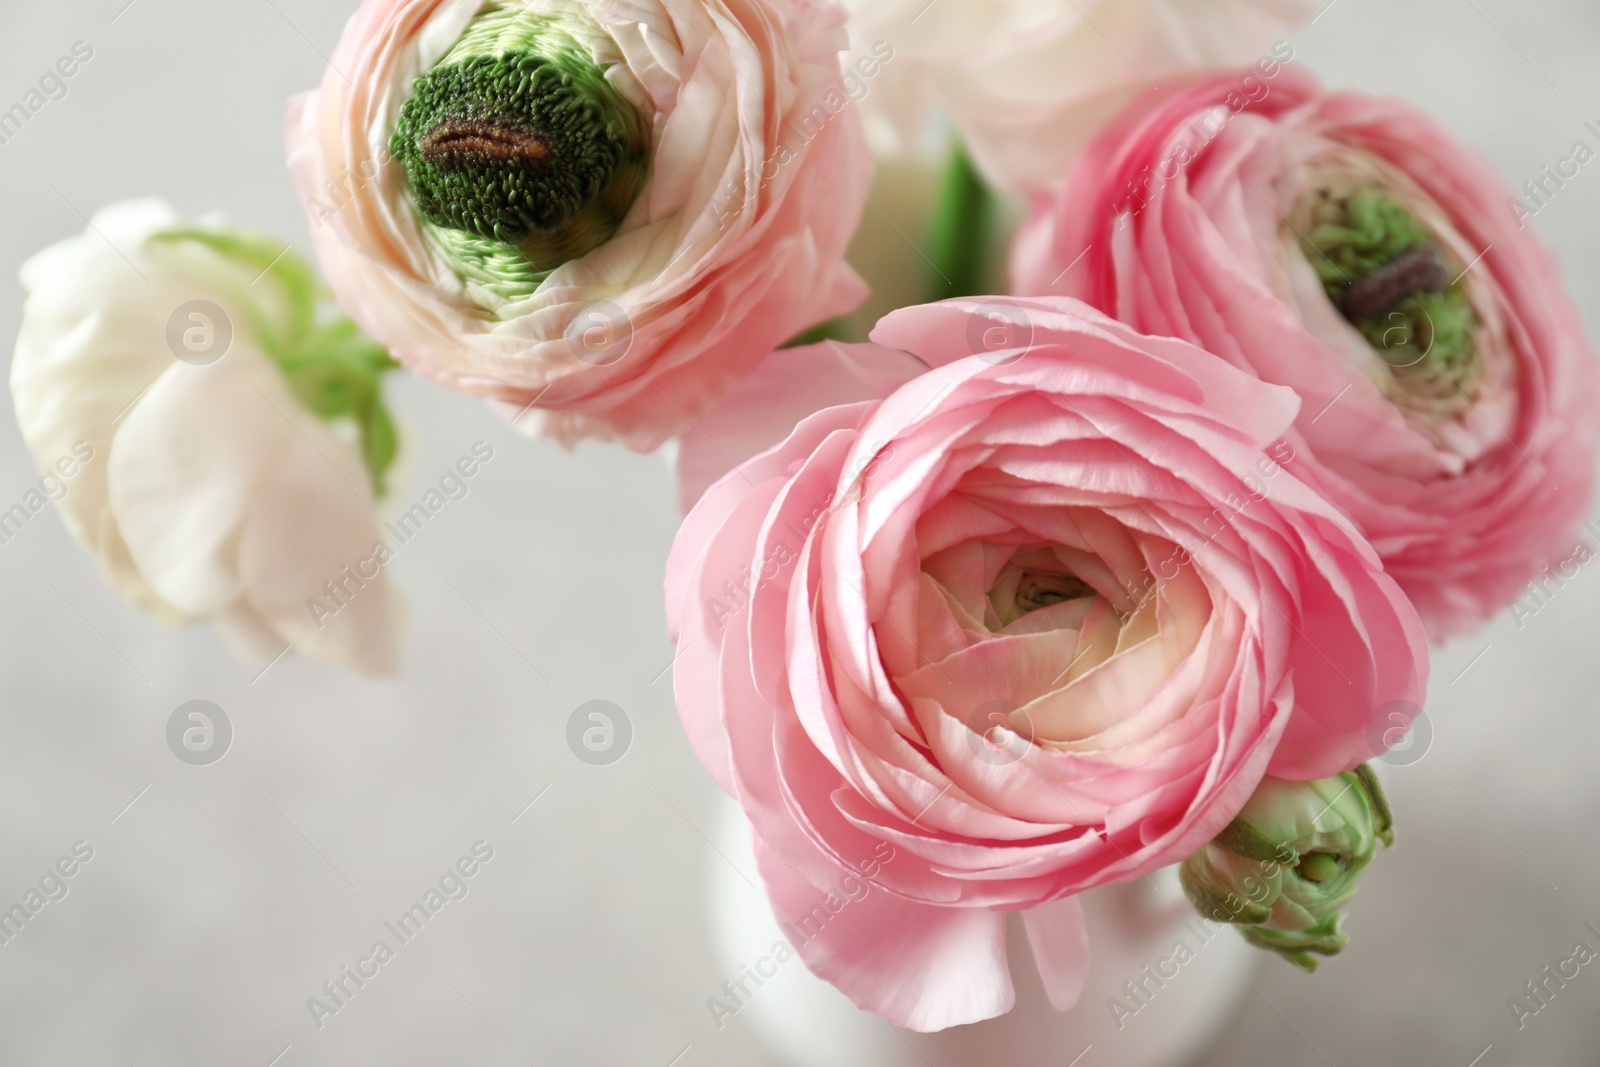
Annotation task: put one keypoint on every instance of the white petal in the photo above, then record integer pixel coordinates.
(92, 340)
(184, 467)
(308, 527)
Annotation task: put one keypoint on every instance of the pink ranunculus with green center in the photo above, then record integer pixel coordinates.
(1039, 609)
(1348, 248)
(601, 213)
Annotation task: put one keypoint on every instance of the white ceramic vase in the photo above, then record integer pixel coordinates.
(1148, 1002)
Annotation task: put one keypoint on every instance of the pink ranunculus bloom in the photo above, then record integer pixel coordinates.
(1035, 620)
(1347, 247)
(615, 299)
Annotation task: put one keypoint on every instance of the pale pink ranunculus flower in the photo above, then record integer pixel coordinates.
(723, 236)
(1034, 620)
(1027, 83)
(1467, 460)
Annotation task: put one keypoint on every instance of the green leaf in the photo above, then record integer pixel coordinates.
(380, 444)
(963, 227)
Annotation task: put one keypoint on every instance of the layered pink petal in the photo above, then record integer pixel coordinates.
(922, 967)
(1035, 623)
(1059, 937)
(1174, 221)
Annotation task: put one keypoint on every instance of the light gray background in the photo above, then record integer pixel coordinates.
(221, 899)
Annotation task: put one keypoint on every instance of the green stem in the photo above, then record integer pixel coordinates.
(832, 330)
(963, 225)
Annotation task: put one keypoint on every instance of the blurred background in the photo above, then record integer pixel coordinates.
(220, 898)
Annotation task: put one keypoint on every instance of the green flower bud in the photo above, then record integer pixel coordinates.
(519, 152)
(1287, 866)
(1391, 279)
(333, 369)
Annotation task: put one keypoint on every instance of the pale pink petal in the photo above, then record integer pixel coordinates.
(1059, 937)
(922, 967)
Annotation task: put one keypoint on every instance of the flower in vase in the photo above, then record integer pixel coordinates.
(605, 210)
(1348, 248)
(217, 435)
(1040, 618)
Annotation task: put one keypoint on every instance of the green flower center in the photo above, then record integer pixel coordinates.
(519, 152)
(1392, 280)
(1318, 866)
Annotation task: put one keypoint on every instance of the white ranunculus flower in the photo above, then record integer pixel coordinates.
(223, 430)
(1028, 82)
